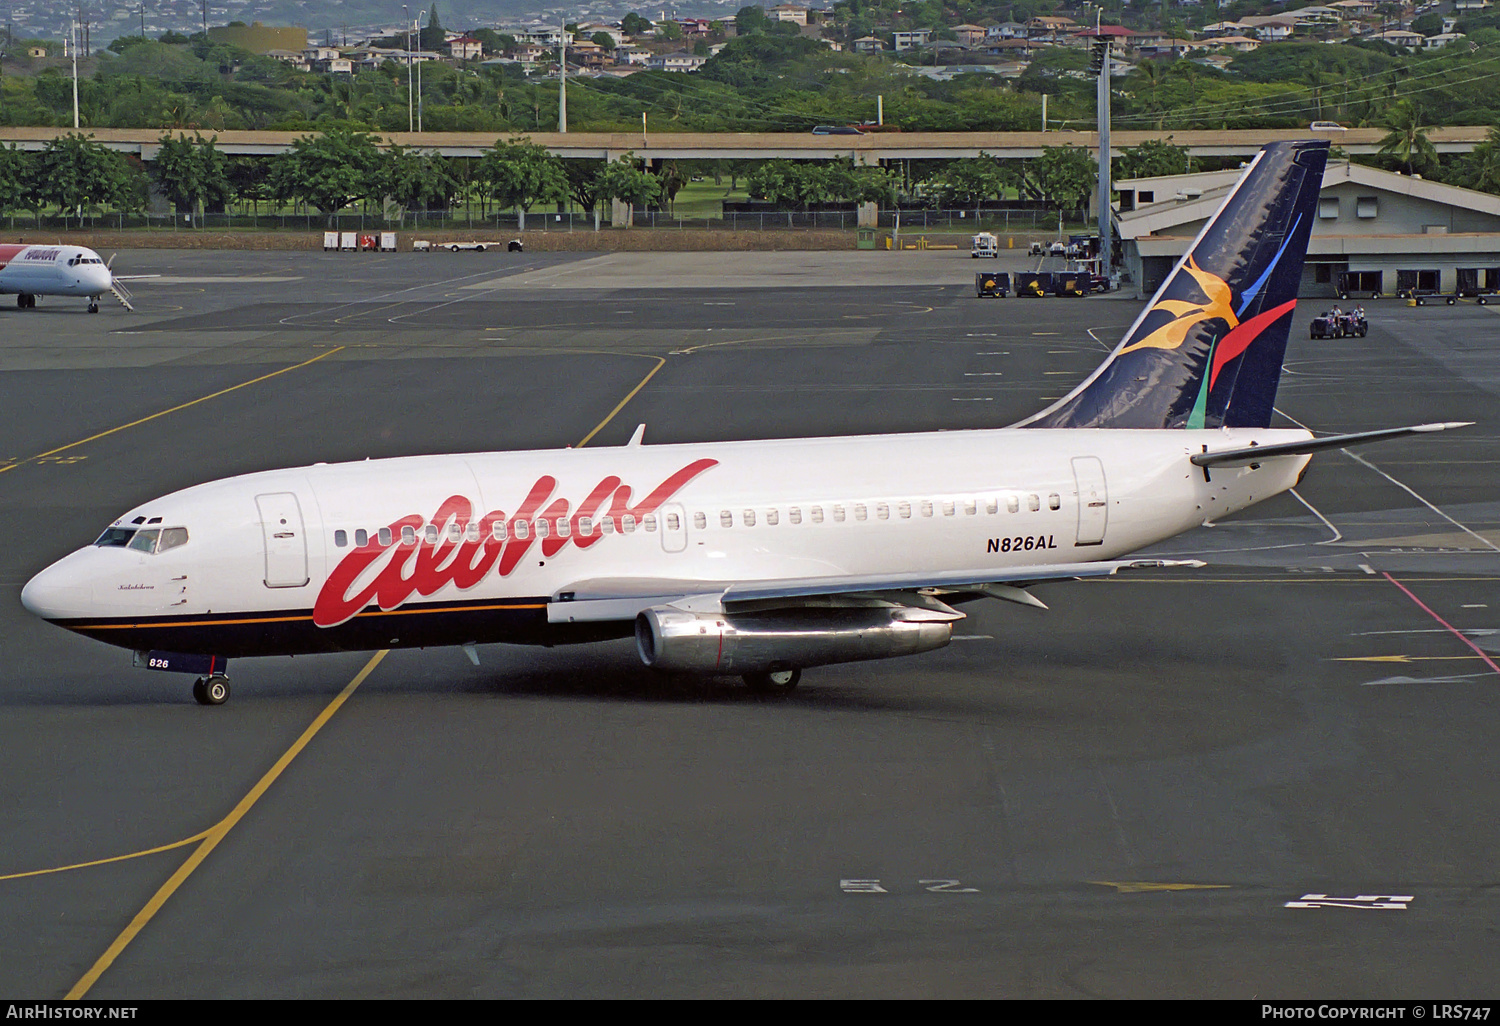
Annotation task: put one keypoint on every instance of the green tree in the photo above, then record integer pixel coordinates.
(1153, 159)
(1066, 174)
(521, 174)
(1407, 140)
(1483, 165)
(972, 180)
(332, 169)
(17, 191)
(191, 172)
(76, 173)
(669, 31)
(432, 34)
(751, 19)
(623, 179)
(634, 25)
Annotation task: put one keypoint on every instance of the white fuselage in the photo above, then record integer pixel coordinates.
(52, 271)
(511, 527)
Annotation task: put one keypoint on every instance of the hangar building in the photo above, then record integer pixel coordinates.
(1388, 232)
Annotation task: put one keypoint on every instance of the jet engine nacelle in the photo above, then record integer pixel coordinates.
(783, 639)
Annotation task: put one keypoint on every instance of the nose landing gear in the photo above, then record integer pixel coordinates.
(211, 690)
(93, 304)
(777, 681)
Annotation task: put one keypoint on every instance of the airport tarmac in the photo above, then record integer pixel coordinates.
(1272, 777)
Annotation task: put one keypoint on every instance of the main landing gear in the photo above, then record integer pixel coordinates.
(777, 681)
(211, 690)
(25, 301)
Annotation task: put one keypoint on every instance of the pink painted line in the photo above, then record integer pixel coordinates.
(1456, 632)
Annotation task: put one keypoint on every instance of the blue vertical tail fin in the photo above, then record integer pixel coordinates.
(1207, 351)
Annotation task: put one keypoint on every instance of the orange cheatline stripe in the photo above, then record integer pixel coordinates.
(215, 834)
(294, 619)
(163, 413)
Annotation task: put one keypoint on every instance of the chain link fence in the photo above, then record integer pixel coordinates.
(547, 221)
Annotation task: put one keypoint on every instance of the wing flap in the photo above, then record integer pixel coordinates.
(622, 598)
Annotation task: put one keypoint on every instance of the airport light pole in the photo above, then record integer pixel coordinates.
(410, 124)
(562, 82)
(73, 45)
(1101, 62)
(419, 68)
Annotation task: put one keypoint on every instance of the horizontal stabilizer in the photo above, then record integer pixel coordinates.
(1243, 457)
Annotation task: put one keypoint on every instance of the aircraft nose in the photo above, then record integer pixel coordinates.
(59, 592)
(100, 278)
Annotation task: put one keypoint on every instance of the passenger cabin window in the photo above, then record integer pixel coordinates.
(649, 521)
(497, 530)
(455, 532)
(772, 518)
(385, 536)
(859, 511)
(794, 515)
(520, 528)
(607, 525)
(1013, 503)
(700, 521)
(948, 508)
(816, 514)
(1054, 501)
(838, 514)
(992, 505)
(749, 518)
(882, 511)
(627, 523)
(408, 535)
(361, 537)
(674, 522)
(926, 508)
(563, 527)
(904, 511)
(472, 532)
(585, 526)
(726, 518)
(341, 538)
(432, 534)
(970, 507)
(1034, 502)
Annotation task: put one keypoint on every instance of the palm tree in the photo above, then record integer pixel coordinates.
(1407, 140)
(1485, 163)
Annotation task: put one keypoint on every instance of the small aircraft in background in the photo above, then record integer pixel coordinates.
(27, 272)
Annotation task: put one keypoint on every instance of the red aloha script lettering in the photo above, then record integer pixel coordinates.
(424, 568)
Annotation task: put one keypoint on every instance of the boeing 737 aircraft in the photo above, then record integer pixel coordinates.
(752, 558)
(30, 271)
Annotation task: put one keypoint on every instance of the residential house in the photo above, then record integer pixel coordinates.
(313, 54)
(464, 48)
(631, 54)
(679, 61)
(795, 13)
(1240, 44)
(692, 28)
(1270, 29)
(590, 29)
(969, 35)
(1354, 8)
(292, 57)
(1008, 47)
(869, 44)
(1050, 30)
(1006, 30)
(911, 39)
(1441, 40)
(1402, 37)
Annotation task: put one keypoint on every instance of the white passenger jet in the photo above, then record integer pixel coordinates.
(30, 271)
(752, 558)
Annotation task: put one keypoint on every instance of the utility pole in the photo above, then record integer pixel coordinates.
(205, 21)
(143, 19)
(562, 84)
(419, 71)
(410, 123)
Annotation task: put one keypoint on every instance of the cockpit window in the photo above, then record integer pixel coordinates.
(147, 540)
(144, 541)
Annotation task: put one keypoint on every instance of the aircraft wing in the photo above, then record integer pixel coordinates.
(622, 598)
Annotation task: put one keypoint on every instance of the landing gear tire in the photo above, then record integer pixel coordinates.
(212, 690)
(1480, 300)
(1451, 300)
(777, 681)
(25, 301)
(93, 307)
(1374, 295)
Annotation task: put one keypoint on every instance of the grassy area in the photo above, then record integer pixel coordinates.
(705, 199)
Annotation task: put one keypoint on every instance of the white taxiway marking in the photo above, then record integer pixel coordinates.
(1383, 901)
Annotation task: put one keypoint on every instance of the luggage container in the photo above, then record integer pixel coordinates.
(330, 241)
(1360, 282)
(1477, 282)
(1034, 284)
(349, 240)
(1417, 285)
(1071, 283)
(992, 284)
(387, 242)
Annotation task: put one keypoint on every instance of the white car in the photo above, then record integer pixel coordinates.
(1326, 126)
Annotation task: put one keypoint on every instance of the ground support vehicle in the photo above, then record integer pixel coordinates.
(1477, 283)
(985, 245)
(1419, 285)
